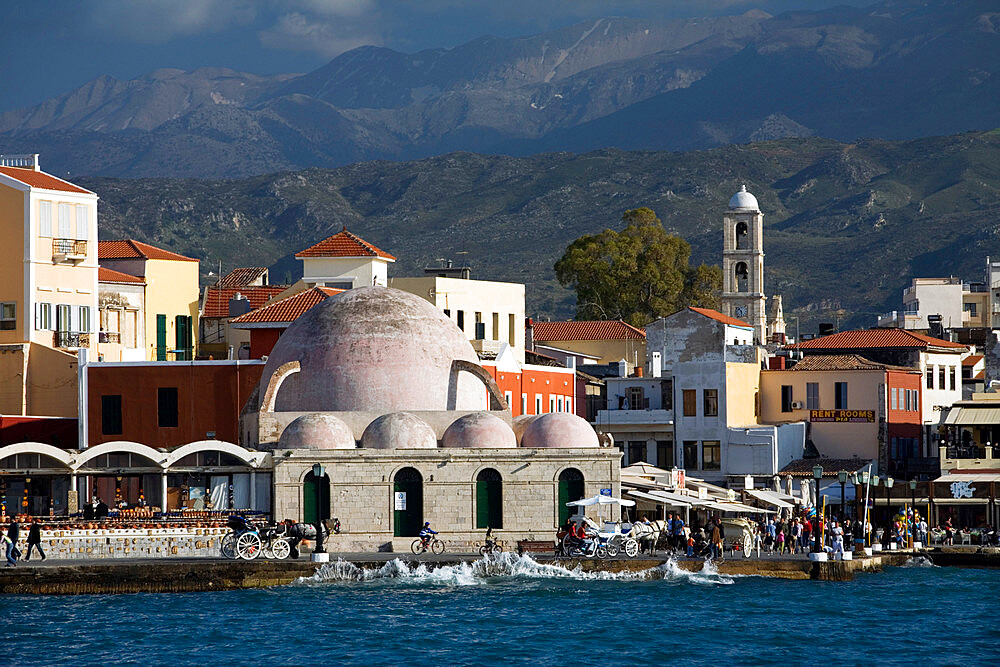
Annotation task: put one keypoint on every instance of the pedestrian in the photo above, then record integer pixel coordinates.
(781, 542)
(837, 535)
(8, 549)
(771, 538)
(679, 541)
(34, 540)
(922, 529)
(718, 538)
(14, 533)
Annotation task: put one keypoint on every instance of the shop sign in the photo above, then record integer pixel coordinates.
(605, 492)
(962, 490)
(844, 416)
(401, 500)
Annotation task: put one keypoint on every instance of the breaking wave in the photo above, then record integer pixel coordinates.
(506, 566)
(918, 561)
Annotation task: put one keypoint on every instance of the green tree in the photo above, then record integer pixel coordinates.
(638, 274)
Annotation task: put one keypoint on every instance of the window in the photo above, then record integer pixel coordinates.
(908, 400)
(511, 330)
(667, 394)
(636, 451)
(489, 499)
(63, 317)
(691, 454)
(84, 319)
(741, 236)
(447, 312)
(635, 397)
(524, 404)
(480, 327)
(111, 415)
(45, 218)
(665, 454)
(64, 224)
(690, 402)
(552, 403)
(538, 404)
(509, 397)
(812, 395)
(81, 222)
(941, 374)
(786, 398)
(496, 326)
(43, 316)
(930, 377)
(710, 402)
(895, 403)
(166, 407)
(711, 455)
(951, 381)
(460, 319)
(559, 404)
(161, 337)
(8, 316)
(970, 308)
(742, 275)
(840, 396)
(183, 338)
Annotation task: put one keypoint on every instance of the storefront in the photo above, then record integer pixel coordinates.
(967, 498)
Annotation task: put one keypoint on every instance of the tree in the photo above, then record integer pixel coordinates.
(638, 274)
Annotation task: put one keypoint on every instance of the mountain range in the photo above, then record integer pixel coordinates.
(896, 70)
(847, 225)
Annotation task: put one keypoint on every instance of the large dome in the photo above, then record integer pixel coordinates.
(374, 349)
(744, 200)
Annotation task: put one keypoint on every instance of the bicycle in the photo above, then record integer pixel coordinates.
(491, 546)
(419, 546)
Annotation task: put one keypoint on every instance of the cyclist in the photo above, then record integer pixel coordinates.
(426, 534)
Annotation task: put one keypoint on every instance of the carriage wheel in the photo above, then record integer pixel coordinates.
(229, 546)
(613, 548)
(248, 546)
(280, 549)
(747, 544)
(631, 548)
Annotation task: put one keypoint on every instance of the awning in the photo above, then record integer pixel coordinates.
(961, 501)
(769, 497)
(655, 499)
(689, 501)
(740, 507)
(971, 416)
(969, 477)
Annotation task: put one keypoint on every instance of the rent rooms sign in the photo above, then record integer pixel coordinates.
(866, 416)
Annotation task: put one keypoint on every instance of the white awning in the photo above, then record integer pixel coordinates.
(685, 501)
(740, 507)
(655, 499)
(969, 477)
(973, 416)
(769, 497)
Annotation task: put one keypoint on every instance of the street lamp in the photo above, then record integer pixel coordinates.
(817, 475)
(842, 478)
(874, 480)
(318, 473)
(913, 513)
(888, 511)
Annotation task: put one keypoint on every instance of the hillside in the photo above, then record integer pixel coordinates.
(847, 225)
(896, 70)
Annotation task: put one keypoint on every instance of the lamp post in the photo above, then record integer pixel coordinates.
(817, 475)
(888, 511)
(318, 473)
(913, 513)
(874, 479)
(842, 478)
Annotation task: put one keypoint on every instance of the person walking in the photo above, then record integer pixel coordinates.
(837, 535)
(679, 541)
(8, 549)
(718, 538)
(34, 540)
(14, 533)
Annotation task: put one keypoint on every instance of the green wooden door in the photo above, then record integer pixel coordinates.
(161, 337)
(182, 337)
(408, 522)
(309, 498)
(489, 499)
(570, 489)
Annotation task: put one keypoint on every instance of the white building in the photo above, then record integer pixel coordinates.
(344, 261)
(926, 297)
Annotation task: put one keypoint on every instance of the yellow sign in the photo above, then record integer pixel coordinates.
(847, 416)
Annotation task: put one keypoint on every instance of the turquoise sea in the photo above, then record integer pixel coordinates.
(515, 611)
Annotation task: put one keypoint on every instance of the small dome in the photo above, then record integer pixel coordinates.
(559, 429)
(317, 431)
(520, 423)
(744, 200)
(399, 430)
(481, 430)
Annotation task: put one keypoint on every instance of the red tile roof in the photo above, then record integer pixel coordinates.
(344, 244)
(108, 276)
(586, 330)
(804, 467)
(217, 299)
(286, 311)
(981, 375)
(242, 276)
(972, 360)
(845, 362)
(131, 249)
(719, 317)
(878, 338)
(39, 179)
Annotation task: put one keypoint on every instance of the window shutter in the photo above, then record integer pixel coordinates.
(64, 226)
(45, 218)
(81, 222)
(38, 320)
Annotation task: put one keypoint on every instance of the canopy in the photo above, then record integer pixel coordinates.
(769, 497)
(740, 507)
(968, 477)
(679, 499)
(658, 499)
(973, 416)
(601, 500)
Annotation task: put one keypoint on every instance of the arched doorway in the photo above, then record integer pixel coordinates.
(570, 489)
(489, 499)
(309, 497)
(407, 503)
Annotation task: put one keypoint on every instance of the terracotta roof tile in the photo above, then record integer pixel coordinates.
(242, 277)
(39, 179)
(286, 311)
(216, 302)
(972, 360)
(845, 362)
(877, 338)
(344, 244)
(981, 375)
(108, 276)
(131, 249)
(804, 467)
(716, 315)
(586, 330)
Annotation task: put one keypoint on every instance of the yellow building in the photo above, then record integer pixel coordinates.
(609, 341)
(48, 287)
(171, 295)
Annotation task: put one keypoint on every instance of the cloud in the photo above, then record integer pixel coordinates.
(324, 27)
(159, 21)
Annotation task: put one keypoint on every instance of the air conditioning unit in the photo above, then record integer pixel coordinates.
(797, 405)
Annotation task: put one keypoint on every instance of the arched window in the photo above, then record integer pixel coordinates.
(742, 275)
(489, 499)
(407, 503)
(742, 239)
(570, 489)
(309, 497)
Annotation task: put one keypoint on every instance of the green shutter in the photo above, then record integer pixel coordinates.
(182, 335)
(482, 505)
(161, 337)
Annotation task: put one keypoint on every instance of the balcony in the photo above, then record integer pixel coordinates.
(69, 250)
(109, 337)
(622, 417)
(71, 339)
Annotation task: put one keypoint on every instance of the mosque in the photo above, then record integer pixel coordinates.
(385, 392)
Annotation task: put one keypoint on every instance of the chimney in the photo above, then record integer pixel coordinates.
(622, 369)
(654, 365)
(239, 305)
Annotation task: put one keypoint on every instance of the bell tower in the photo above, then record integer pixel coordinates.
(743, 263)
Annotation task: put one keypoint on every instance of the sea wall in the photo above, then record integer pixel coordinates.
(109, 543)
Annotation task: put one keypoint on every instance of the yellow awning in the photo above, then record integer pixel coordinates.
(970, 416)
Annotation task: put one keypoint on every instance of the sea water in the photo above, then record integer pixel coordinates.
(514, 610)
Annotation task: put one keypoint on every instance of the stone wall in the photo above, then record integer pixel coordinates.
(128, 543)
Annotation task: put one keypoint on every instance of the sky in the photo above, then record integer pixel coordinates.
(49, 47)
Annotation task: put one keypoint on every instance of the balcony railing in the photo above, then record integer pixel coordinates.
(109, 337)
(69, 339)
(71, 249)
